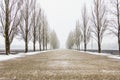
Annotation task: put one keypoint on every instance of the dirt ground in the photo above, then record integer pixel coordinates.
(61, 65)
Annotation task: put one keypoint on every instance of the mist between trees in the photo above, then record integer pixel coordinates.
(26, 21)
(105, 17)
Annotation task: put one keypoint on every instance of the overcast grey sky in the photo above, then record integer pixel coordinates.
(62, 16)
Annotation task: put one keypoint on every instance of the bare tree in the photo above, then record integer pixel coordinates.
(39, 29)
(34, 25)
(46, 36)
(99, 20)
(115, 24)
(85, 27)
(78, 35)
(9, 18)
(36, 16)
(25, 26)
(44, 32)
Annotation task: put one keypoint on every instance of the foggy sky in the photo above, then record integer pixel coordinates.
(62, 16)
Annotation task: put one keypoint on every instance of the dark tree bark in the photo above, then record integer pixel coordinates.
(98, 25)
(118, 22)
(7, 43)
(26, 36)
(26, 31)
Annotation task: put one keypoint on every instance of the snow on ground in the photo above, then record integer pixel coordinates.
(8, 57)
(103, 54)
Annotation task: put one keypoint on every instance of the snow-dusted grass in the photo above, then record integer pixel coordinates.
(8, 57)
(103, 54)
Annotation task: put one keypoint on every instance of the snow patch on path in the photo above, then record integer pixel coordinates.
(103, 54)
(60, 63)
(110, 71)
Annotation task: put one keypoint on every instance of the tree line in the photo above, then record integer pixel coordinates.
(105, 17)
(25, 20)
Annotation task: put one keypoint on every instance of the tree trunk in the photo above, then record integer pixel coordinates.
(79, 47)
(39, 38)
(43, 39)
(119, 45)
(119, 39)
(98, 28)
(43, 43)
(84, 36)
(7, 43)
(26, 37)
(34, 48)
(46, 41)
(40, 46)
(85, 40)
(118, 20)
(39, 41)
(34, 41)
(85, 46)
(26, 46)
(46, 46)
(99, 39)
(34, 33)
(99, 45)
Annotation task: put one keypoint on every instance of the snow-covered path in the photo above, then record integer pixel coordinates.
(103, 54)
(60, 65)
(8, 57)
